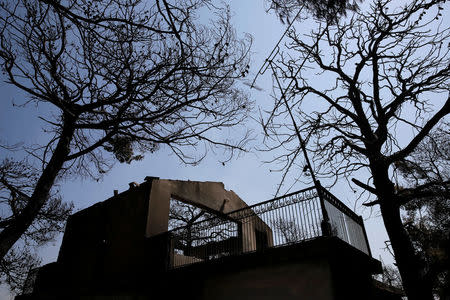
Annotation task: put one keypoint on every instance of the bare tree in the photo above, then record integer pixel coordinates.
(289, 229)
(16, 184)
(379, 83)
(186, 215)
(390, 276)
(195, 228)
(428, 165)
(119, 78)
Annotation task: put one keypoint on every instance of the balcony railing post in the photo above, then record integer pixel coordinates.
(365, 235)
(325, 223)
(170, 246)
(240, 241)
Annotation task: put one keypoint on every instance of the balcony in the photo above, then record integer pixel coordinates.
(282, 221)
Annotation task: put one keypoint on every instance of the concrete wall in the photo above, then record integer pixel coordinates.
(305, 280)
(109, 235)
(107, 239)
(115, 239)
(209, 195)
(250, 226)
(308, 280)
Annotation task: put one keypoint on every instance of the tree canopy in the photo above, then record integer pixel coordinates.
(331, 11)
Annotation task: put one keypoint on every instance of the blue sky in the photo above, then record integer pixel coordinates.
(246, 174)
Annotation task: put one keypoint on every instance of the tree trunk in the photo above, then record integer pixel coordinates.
(412, 268)
(11, 234)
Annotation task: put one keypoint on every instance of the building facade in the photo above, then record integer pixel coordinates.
(196, 240)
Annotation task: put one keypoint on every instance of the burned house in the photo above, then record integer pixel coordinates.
(196, 240)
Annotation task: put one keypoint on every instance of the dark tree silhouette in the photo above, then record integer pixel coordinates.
(16, 184)
(289, 230)
(390, 276)
(379, 83)
(116, 79)
(327, 10)
(186, 215)
(194, 228)
(427, 219)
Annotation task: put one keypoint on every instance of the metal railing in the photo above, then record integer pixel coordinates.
(345, 224)
(281, 221)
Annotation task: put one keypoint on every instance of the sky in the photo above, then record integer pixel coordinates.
(246, 175)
